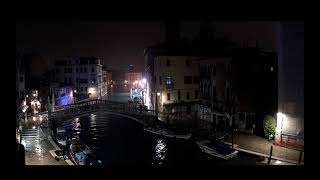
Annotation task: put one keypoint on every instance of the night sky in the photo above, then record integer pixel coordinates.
(122, 43)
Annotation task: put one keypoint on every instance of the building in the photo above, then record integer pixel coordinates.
(133, 75)
(84, 74)
(104, 83)
(240, 83)
(172, 82)
(62, 93)
(290, 116)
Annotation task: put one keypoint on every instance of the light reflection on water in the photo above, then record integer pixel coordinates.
(161, 149)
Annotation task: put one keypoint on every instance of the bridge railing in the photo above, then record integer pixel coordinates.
(111, 106)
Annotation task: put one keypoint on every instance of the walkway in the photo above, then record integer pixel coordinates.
(37, 145)
(261, 145)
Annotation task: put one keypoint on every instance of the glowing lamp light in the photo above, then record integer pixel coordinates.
(34, 118)
(144, 80)
(158, 94)
(75, 91)
(91, 90)
(281, 121)
(278, 162)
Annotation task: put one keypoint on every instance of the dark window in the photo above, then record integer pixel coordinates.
(214, 70)
(188, 95)
(228, 68)
(188, 80)
(21, 78)
(85, 89)
(187, 63)
(195, 79)
(179, 95)
(81, 69)
(70, 70)
(160, 80)
(92, 70)
(188, 109)
(168, 96)
(228, 93)
(168, 62)
(77, 80)
(76, 69)
(214, 91)
(65, 80)
(155, 79)
(196, 94)
(85, 69)
(83, 80)
(65, 70)
(70, 80)
(81, 88)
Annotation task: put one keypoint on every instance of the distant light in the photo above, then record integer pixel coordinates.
(34, 94)
(144, 80)
(271, 68)
(75, 91)
(91, 90)
(158, 94)
(278, 162)
(34, 118)
(27, 96)
(33, 127)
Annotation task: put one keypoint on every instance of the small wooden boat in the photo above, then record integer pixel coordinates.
(168, 133)
(219, 150)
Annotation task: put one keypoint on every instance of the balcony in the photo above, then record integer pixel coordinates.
(169, 86)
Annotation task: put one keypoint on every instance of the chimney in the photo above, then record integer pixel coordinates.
(172, 30)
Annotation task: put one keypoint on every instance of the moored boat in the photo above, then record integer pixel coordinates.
(219, 150)
(167, 133)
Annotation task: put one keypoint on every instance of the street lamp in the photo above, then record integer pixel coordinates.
(144, 80)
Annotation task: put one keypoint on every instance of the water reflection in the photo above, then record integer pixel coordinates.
(161, 149)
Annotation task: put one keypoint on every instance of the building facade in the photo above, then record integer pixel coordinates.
(133, 77)
(84, 74)
(290, 116)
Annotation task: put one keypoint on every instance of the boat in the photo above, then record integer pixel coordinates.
(167, 133)
(219, 150)
(81, 154)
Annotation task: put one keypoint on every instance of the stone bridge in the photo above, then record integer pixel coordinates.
(129, 110)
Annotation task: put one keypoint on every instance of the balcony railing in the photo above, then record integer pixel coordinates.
(169, 86)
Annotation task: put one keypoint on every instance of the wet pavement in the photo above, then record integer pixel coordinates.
(262, 145)
(37, 145)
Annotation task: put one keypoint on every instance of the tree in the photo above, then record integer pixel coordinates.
(269, 126)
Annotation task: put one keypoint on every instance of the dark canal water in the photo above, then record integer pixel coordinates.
(117, 140)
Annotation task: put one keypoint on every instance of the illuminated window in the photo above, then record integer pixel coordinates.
(169, 80)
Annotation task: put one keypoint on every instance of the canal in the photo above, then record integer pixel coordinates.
(117, 140)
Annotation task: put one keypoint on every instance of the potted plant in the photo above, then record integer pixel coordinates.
(269, 126)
